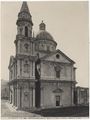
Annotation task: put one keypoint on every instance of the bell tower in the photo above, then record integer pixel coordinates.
(24, 22)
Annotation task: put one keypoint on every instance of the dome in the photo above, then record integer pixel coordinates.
(44, 40)
(44, 35)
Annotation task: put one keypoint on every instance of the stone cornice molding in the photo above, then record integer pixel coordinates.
(23, 38)
(30, 57)
(54, 62)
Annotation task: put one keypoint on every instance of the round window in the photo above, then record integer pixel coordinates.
(57, 56)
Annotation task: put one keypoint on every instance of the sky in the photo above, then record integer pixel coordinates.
(66, 21)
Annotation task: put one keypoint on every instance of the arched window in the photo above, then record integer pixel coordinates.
(57, 56)
(26, 31)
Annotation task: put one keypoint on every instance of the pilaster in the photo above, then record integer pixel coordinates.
(33, 97)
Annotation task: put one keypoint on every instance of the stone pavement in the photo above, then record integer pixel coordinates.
(10, 112)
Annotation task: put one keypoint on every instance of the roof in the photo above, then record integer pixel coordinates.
(24, 14)
(24, 7)
(44, 35)
(46, 56)
(79, 87)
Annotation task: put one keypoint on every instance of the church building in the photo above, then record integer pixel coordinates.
(40, 76)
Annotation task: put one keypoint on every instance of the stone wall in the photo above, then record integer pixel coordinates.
(48, 71)
(48, 96)
(27, 71)
(82, 95)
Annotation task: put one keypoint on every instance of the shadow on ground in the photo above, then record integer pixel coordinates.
(76, 111)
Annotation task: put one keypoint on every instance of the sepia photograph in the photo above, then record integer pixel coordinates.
(44, 59)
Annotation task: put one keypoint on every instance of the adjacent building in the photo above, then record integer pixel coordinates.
(4, 89)
(82, 95)
(56, 82)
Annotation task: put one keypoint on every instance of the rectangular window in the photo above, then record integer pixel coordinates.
(26, 31)
(57, 74)
(57, 100)
(26, 68)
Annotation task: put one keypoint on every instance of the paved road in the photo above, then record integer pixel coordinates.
(8, 111)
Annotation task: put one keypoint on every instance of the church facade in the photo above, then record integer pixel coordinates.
(39, 74)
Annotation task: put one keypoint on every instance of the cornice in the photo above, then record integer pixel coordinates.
(23, 38)
(20, 56)
(21, 80)
(54, 62)
(40, 40)
(45, 81)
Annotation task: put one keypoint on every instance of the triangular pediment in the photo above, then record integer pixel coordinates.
(57, 56)
(58, 90)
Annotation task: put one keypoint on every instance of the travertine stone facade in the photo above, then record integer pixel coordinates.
(57, 70)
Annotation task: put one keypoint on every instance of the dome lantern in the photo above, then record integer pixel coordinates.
(42, 26)
(43, 34)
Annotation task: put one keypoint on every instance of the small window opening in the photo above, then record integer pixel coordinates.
(57, 56)
(26, 31)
